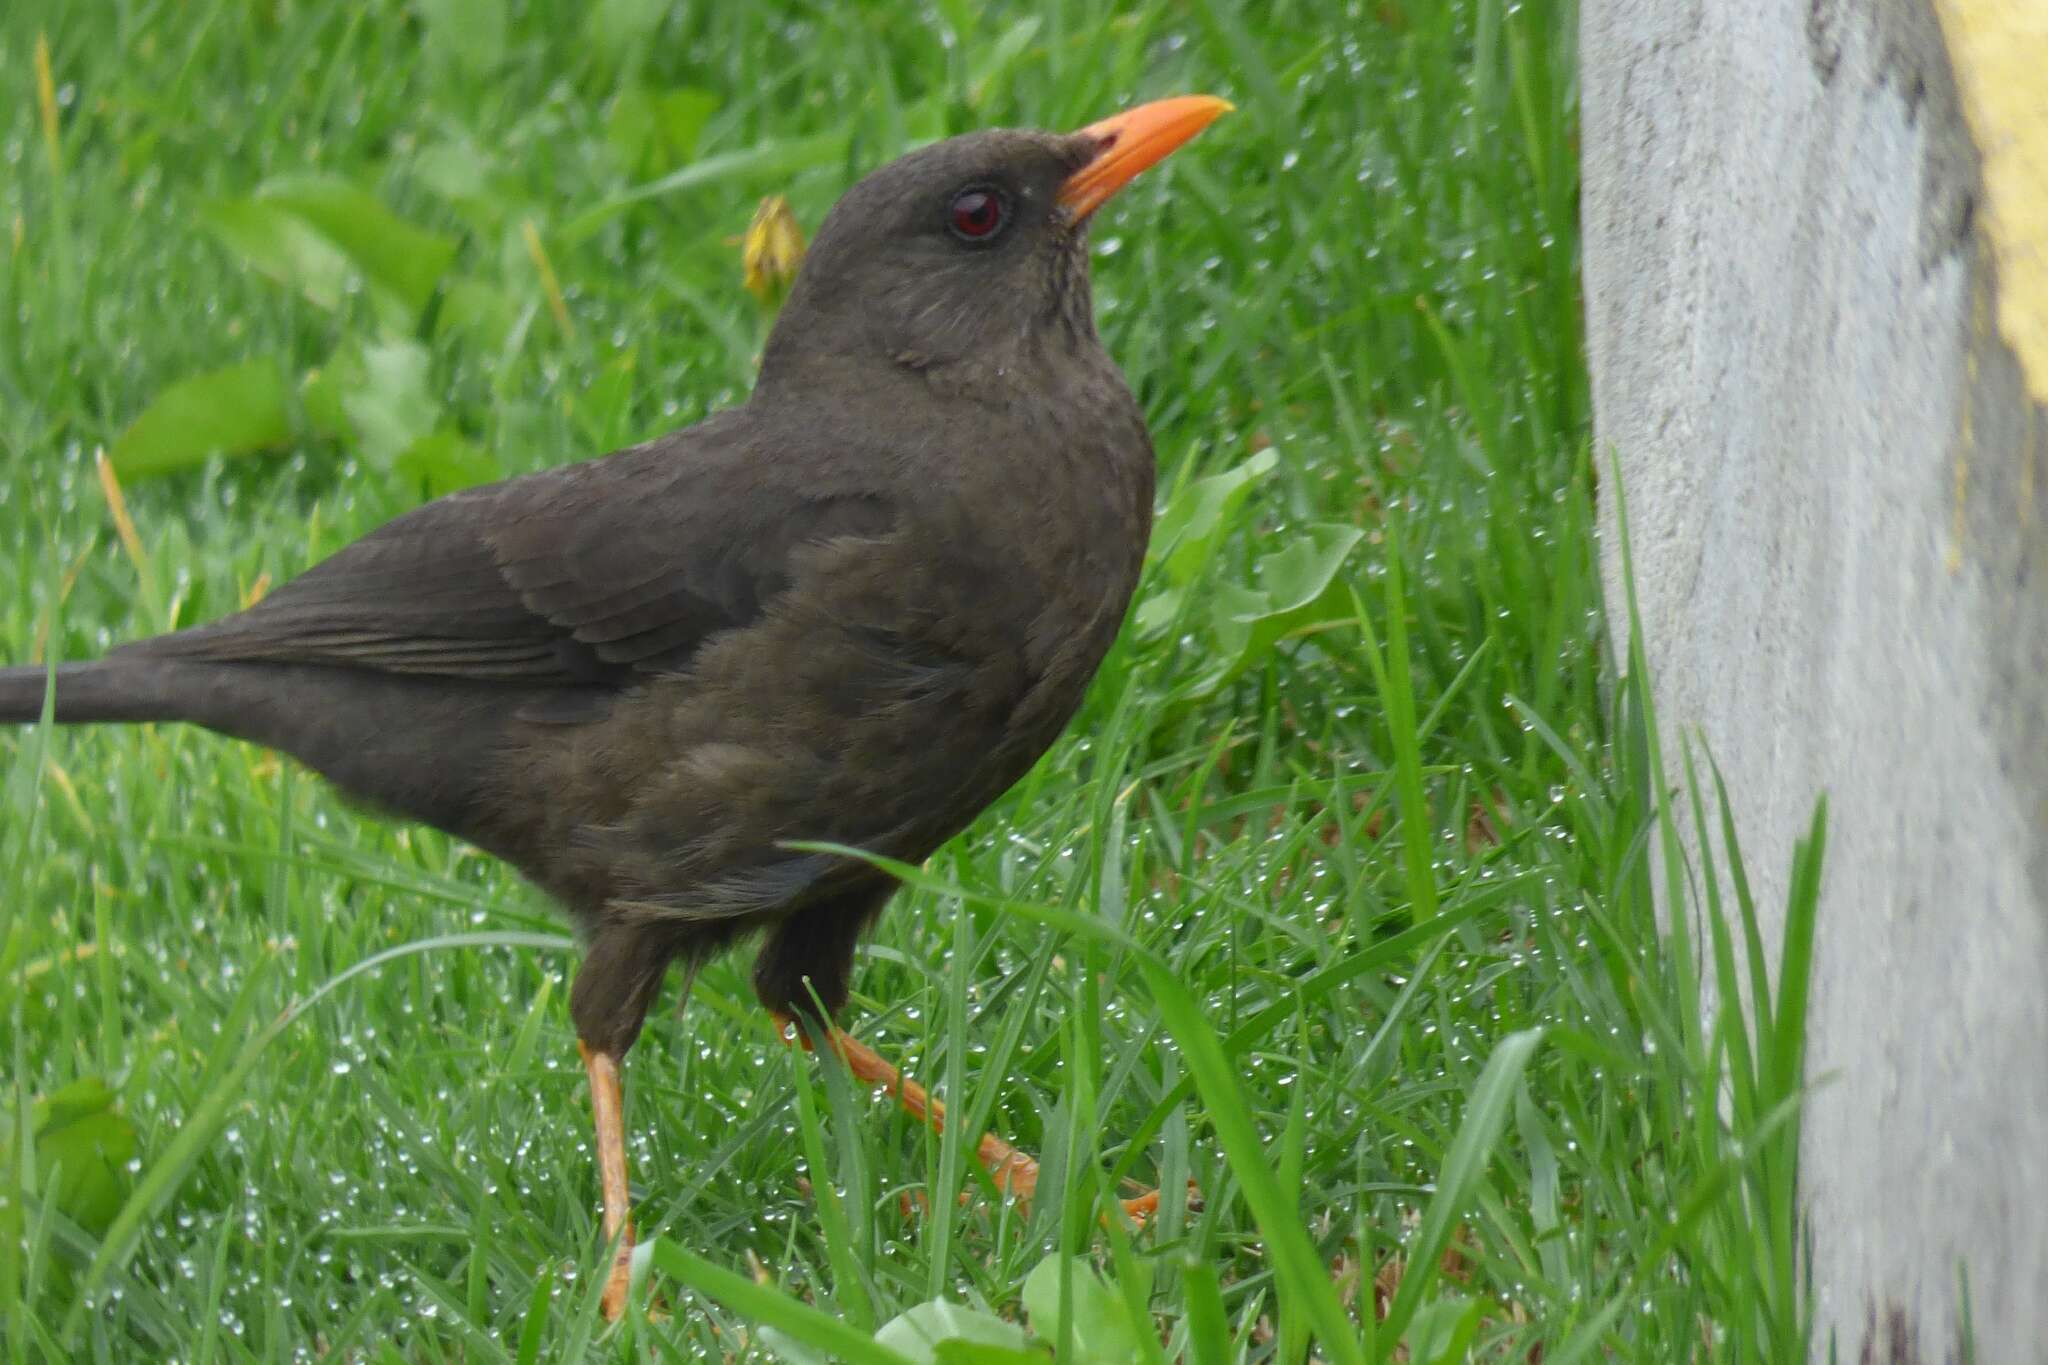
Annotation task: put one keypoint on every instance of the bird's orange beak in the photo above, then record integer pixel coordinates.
(1133, 140)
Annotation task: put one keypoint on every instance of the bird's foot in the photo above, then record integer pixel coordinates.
(1015, 1173)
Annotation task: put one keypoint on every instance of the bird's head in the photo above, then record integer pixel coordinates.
(969, 254)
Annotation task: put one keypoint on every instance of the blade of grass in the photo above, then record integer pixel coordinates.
(1391, 671)
(804, 1324)
(1486, 1115)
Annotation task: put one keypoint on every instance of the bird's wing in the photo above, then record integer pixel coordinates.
(577, 576)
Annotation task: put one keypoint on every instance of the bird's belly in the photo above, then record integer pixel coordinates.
(880, 715)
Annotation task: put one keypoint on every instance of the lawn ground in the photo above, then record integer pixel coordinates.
(1336, 899)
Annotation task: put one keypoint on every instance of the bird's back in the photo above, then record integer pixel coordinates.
(638, 677)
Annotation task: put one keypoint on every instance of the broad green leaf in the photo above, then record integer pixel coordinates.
(681, 114)
(1102, 1331)
(1158, 610)
(1201, 513)
(322, 390)
(470, 178)
(80, 1146)
(957, 1352)
(482, 314)
(314, 233)
(1188, 533)
(457, 169)
(395, 257)
(1295, 588)
(390, 407)
(655, 131)
(917, 1333)
(82, 1136)
(1299, 573)
(233, 411)
(280, 244)
(444, 461)
(629, 128)
(1441, 1332)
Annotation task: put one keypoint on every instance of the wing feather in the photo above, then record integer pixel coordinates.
(582, 576)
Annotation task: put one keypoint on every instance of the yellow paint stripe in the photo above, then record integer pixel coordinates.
(1999, 49)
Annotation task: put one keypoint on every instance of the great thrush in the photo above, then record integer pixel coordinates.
(854, 609)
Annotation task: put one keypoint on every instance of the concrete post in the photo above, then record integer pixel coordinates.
(1816, 239)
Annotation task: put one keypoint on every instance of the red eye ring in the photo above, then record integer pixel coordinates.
(975, 215)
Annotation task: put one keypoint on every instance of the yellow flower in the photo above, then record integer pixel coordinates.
(771, 251)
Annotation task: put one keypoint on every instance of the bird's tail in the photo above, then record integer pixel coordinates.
(412, 746)
(106, 690)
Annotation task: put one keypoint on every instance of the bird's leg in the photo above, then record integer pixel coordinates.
(1014, 1172)
(608, 1104)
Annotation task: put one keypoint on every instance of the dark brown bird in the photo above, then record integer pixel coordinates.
(854, 610)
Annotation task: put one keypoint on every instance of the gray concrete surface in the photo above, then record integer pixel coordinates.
(1841, 542)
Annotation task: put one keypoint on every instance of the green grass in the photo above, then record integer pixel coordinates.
(1337, 899)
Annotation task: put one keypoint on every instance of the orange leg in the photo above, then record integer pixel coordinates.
(608, 1103)
(1014, 1172)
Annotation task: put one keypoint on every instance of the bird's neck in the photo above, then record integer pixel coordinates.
(1007, 372)
(991, 351)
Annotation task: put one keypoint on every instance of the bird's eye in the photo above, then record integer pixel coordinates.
(976, 215)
